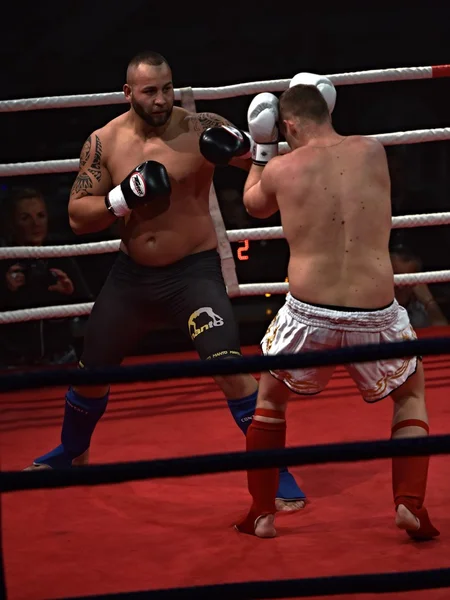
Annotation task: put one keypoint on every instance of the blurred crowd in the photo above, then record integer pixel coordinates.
(30, 218)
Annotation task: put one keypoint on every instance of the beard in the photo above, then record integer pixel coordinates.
(151, 119)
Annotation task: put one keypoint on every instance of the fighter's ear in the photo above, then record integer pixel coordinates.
(287, 126)
(127, 91)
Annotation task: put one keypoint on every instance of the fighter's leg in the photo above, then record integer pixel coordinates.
(266, 432)
(115, 325)
(409, 473)
(403, 380)
(203, 310)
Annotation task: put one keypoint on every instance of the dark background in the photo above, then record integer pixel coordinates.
(55, 48)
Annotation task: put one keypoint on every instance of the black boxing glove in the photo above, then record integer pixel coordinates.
(146, 181)
(220, 144)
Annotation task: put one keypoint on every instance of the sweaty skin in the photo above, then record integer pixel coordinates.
(161, 232)
(336, 216)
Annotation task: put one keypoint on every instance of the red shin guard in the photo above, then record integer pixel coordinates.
(409, 482)
(263, 483)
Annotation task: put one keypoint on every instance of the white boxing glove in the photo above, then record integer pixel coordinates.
(323, 84)
(262, 119)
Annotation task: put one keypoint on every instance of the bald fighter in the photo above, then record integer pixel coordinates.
(146, 169)
(333, 194)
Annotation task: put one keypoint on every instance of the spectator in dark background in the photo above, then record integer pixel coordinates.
(423, 310)
(31, 283)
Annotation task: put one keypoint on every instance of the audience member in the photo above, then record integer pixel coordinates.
(423, 310)
(31, 283)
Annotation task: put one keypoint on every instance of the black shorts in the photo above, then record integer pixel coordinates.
(190, 293)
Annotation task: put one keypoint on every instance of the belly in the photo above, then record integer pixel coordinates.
(165, 240)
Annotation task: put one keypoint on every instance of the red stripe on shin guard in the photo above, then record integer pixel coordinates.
(410, 423)
(268, 412)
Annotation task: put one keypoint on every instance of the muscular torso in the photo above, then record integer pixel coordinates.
(336, 216)
(163, 232)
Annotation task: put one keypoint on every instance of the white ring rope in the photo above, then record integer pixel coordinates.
(246, 289)
(234, 235)
(72, 164)
(276, 233)
(228, 91)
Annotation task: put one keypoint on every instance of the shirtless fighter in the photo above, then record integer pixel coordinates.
(333, 193)
(145, 168)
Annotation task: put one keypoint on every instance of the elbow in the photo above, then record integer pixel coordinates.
(77, 227)
(249, 206)
(257, 208)
(259, 212)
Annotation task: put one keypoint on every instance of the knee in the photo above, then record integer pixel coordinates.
(236, 386)
(90, 391)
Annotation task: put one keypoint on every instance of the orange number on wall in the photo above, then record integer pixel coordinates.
(244, 248)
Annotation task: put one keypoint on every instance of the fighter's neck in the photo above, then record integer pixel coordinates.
(318, 137)
(146, 131)
(324, 141)
(312, 135)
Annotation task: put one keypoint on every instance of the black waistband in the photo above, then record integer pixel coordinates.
(344, 308)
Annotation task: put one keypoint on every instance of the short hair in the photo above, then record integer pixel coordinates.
(147, 57)
(304, 102)
(21, 194)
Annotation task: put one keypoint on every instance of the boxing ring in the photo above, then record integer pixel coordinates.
(165, 526)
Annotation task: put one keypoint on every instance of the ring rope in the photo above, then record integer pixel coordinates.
(189, 369)
(276, 233)
(374, 583)
(244, 289)
(229, 91)
(72, 164)
(234, 235)
(224, 462)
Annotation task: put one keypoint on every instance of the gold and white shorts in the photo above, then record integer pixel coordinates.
(301, 327)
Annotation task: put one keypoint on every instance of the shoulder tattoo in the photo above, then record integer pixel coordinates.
(203, 120)
(85, 152)
(95, 167)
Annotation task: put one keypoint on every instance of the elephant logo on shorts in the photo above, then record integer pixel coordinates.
(203, 319)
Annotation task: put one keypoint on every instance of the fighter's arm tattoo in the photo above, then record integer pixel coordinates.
(202, 121)
(85, 152)
(81, 185)
(95, 167)
(84, 184)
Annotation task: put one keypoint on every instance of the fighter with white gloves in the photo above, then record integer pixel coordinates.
(323, 84)
(262, 119)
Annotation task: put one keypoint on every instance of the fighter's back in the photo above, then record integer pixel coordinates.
(336, 216)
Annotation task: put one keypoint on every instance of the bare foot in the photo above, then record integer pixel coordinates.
(37, 467)
(289, 505)
(80, 461)
(404, 519)
(264, 527)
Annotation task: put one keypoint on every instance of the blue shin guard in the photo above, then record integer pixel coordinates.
(242, 411)
(81, 415)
